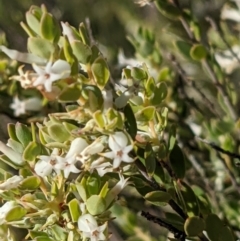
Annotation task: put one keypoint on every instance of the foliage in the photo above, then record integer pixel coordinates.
(166, 132)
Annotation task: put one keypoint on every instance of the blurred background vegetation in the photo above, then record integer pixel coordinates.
(112, 23)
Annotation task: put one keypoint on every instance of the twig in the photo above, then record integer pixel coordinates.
(218, 148)
(152, 182)
(188, 81)
(230, 173)
(218, 28)
(205, 64)
(177, 233)
(231, 154)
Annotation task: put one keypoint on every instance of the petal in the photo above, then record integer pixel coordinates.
(48, 85)
(60, 66)
(117, 162)
(121, 139)
(109, 155)
(43, 168)
(38, 69)
(127, 158)
(77, 146)
(84, 221)
(113, 144)
(39, 81)
(127, 149)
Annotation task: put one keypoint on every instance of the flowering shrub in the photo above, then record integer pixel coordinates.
(63, 176)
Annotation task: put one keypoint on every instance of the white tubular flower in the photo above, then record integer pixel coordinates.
(10, 183)
(226, 59)
(14, 156)
(230, 13)
(94, 148)
(113, 193)
(46, 164)
(67, 163)
(118, 144)
(101, 167)
(90, 229)
(52, 72)
(22, 57)
(69, 32)
(5, 209)
(21, 107)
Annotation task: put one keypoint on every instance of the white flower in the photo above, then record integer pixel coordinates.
(118, 144)
(101, 166)
(68, 30)
(51, 72)
(46, 164)
(231, 13)
(22, 57)
(226, 59)
(90, 229)
(20, 107)
(113, 193)
(67, 163)
(10, 183)
(5, 209)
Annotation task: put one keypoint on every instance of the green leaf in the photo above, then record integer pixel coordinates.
(100, 72)
(70, 93)
(30, 183)
(81, 191)
(74, 209)
(84, 34)
(158, 198)
(177, 161)
(15, 213)
(95, 98)
(43, 238)
(213, 227)
(99, 118)
(35, 234)
(40, 47)
(193, 226)
(81, 51)
(146, 114)
(33, 20)
(50, 29)
(93, 184)
(23, 134)
(95, 205)
(167, 9)
(12, 132)
(184, 48)
(58, 232)
(58, 132)
(150, 159)
(160, 93)
(130, 121)
(32, 150)
(198, 52)
(138, 74)
(190, 200)
(226, 234)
